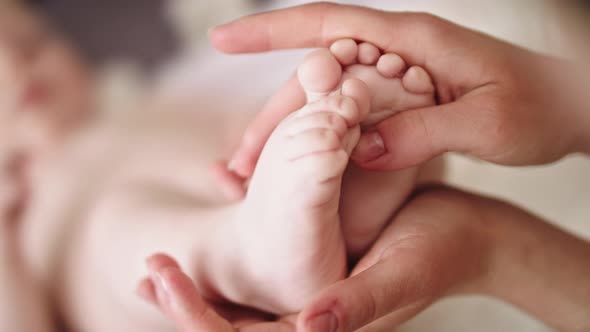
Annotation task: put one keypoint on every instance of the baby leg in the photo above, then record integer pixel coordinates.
(369, 199)
(106, 259)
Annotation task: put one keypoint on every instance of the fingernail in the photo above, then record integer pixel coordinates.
(370, 147)
(162, 288)
(325, 322)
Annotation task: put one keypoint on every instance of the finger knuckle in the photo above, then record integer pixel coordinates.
(429, 25)
(427, 19)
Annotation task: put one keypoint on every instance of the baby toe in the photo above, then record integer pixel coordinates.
(358, 91)
(346, 51)
(390, 65)
(417, 80)
(368, 54)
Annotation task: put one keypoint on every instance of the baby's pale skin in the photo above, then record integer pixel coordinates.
(294, 227)
(289, 234)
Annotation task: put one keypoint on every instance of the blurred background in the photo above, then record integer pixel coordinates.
(140, 48)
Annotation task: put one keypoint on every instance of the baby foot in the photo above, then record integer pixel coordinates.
(369, 199)
(394, 87)
(288, 228)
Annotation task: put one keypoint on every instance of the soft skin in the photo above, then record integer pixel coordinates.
(499, 104)
(444, 242)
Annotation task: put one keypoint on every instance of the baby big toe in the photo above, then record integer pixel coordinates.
(319, 74)
(417, 80)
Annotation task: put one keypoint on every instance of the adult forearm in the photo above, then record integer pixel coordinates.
(542, 270)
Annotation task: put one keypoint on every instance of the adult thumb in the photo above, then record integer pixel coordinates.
(388, 290)
(412, 137)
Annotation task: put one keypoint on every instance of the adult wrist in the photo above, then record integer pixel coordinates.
(540, 269)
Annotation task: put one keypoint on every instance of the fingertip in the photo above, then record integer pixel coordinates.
(218, 36)
(160, 261)
(243, 161)
(371, 147)
(237, 37)
(323, 322)
(230, 183)
(324, 313)
(146, 290)
(410, 138)
(179, 284)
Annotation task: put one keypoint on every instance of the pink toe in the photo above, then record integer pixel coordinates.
(390, 65)
(368, 54)
(320, 72)
(346, 51)
(417, 80)
(359, 92)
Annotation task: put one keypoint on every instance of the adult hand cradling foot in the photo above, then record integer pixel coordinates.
(443, 242)
(495, 101)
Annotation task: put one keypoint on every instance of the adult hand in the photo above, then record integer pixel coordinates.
(436, 246)
(174, 293)
(432, 248)
(498, 102)
(443, 242)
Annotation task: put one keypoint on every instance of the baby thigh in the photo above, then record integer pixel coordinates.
(107, 256)
(158, 200)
